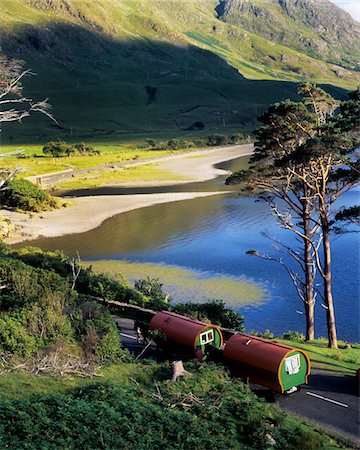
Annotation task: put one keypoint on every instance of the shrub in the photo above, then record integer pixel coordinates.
(214, 311)
(61, 149)
(102, 286)
(174, 144)
(58, 149)
(236, 138)
(153, 289)
(86, 150)
(96, 331)
(24, 332)
(267, 334)
(294, 336)
(24, 195)
(196, 126)
(26, 284)
(150, 143)
(215, 140)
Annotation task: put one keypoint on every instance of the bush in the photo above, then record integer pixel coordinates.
(294, 336)
(214, 311)
(86, 150)
(101, 286)
(236, 138)
(58, 149)
(174, 144)
(267, 334)
(24, 332)
(215, 140)
(38, 308)
(61, 149)
(196, 126)
(25, 196)
(96, 331)
(26, 284)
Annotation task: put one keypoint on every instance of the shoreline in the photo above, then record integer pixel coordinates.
(89, 212)
(79, 217)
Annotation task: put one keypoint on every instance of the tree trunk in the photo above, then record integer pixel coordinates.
(328, 298)
(309, 274)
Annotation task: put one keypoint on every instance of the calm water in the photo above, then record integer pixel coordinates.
(213, 235)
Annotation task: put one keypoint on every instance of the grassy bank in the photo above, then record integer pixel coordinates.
(136, 405)
(345, 359)
(114, 176)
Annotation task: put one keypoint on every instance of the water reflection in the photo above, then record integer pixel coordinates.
(212, 235)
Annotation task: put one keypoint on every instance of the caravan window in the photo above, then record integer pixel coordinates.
(207, 337)
(292, 364)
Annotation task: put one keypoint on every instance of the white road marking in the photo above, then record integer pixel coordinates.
(128, 336)
(344, 405)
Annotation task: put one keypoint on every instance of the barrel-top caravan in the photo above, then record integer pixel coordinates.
(270, 364)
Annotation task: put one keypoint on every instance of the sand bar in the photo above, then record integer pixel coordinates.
(86, 213)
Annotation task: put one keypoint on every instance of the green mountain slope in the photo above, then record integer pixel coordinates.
(123, 69)
(316, 28)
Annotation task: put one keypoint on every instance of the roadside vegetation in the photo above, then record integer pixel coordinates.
(144, 410)
(61, 358)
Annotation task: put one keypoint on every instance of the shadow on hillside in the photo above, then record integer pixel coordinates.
(103, 87)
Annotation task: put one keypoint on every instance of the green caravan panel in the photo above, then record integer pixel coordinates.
(289, 379)
(215, 343)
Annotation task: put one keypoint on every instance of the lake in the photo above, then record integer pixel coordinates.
(208, 238)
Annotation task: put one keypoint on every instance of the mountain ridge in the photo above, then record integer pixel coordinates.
(96, 61)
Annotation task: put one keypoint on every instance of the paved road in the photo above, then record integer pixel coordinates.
(329, 400)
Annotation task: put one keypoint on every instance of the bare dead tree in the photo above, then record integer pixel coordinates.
(14, 105)
(296, 272)
(75, 265)
(5, 176)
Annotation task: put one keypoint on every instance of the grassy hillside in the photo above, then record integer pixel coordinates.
(317, 28)
(127, 70)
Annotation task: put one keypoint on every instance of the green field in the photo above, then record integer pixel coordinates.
(141, 69)
(35, 163)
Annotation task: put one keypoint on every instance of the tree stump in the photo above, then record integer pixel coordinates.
(178, 370)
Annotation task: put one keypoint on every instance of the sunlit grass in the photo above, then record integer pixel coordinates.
(37, 165)
(344, 360)
(188, 285)
(21, 385)
(147, 172)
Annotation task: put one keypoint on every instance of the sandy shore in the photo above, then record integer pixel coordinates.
(86, 213)
(196, 166)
